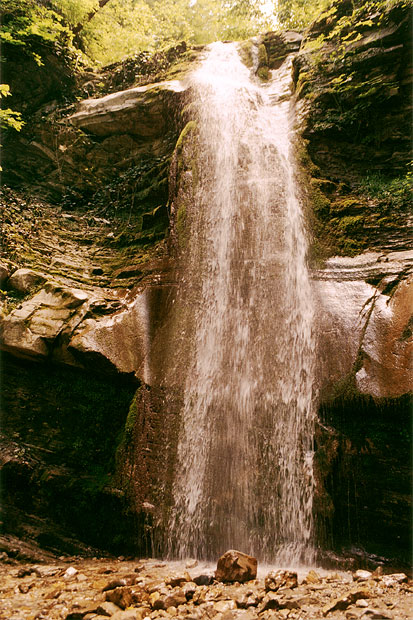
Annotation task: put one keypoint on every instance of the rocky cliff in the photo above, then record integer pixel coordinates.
(92, 225)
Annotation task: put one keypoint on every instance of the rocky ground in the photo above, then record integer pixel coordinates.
(146, 589)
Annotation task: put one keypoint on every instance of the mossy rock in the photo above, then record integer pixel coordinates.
(245, 52)
(263, 73)
(320, 203)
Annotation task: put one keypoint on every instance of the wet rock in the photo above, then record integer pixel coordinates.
(70, 572)
(312, 577)
(122, 597)
(236, 566)
(203, 580)
(223, 606)
(177, 580)
(107, 608)
(191, 564)
(270, 601)
(275, 580)
(362, 575)
(189, 589)
(355, 316)
(4, 274)
(395, 578)
(25, 280)
(344, 601)
(174, 599)
(115, 583)
(376, 614)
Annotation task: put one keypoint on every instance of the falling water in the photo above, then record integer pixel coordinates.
(244, 474)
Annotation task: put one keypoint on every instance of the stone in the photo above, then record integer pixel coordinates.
(222, 606)
(107, 608)
(203, 580)
(115, 583)
(122, 597)
(236, 566)
(191, 564)
(176, 580)
(348, 599)
(280, 579)
(189, 589)
(270, 601)
(377, 614)
(4, 273)
(25, 280)
(394, 579)
(362, 575)
(312, 577)
(101, 340)
(70, 572)
(129, 614)
(31, 329)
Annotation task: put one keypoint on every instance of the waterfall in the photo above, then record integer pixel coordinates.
(244, 474)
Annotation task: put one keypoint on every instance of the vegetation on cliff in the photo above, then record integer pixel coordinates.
(353, 81)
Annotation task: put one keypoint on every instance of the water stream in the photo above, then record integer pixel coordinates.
(244, 472)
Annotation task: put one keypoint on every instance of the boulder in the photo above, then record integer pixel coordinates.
(236, 566)
(25, 280)
(4, 273)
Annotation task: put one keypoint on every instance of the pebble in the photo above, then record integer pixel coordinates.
(164, 591)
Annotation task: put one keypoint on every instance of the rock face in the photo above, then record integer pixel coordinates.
(236, 566)
(140, 111)
(69, 325)
(365, 323)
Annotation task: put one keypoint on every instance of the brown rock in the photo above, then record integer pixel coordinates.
(312, 577)
(270, 601)
(115, 583)
(107, 609)
(348, 599)
(4, 273)
(236, 566)
(122, 597)
(25, 280)
(280, 579)
(130, 614)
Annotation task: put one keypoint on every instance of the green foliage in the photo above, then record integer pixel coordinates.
(9, 119)
(393, 194)
(25, 20)
(297, 14)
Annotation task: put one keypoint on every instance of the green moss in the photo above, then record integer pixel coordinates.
(262, 55)
(181, 225)
(348, 223)
(245, 52)
(320, 203)
(263, 73)
(343, 205)
(132, 416)
(189, 127)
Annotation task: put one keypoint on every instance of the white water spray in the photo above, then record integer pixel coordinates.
(244, 472)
